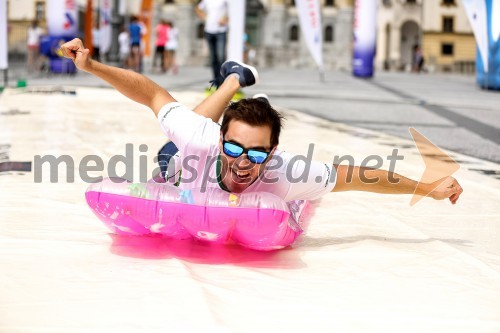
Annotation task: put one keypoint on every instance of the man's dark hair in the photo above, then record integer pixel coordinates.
(254, 112)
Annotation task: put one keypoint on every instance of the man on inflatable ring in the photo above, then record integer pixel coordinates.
(241, 154)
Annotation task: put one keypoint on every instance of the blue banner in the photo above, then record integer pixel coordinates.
(489, 76)
(365, 16)
(484, 17)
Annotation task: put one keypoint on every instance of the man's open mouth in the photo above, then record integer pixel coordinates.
(241, 176)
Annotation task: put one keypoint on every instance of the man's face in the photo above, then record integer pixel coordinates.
(239, 173)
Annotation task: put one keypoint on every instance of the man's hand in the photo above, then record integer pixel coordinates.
(75, 51)
(446, 188)
(224, 21)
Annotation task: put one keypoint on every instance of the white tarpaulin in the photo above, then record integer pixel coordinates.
(476, 12)
(105, 26)
(310, 24)
(236, 30)
(4, 64)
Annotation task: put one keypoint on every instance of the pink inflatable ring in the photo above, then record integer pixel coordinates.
(260, 221)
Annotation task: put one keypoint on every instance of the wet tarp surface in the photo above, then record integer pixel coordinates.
(368, 263)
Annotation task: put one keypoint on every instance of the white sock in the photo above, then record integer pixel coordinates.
(236, 75)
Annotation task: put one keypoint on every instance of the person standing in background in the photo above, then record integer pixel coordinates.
(171, 46)
(162, 35)
(96, 41)
(33, 43)
(246, 47)
(124, 43)
(135, 34)
(215, 15)
(418, 59)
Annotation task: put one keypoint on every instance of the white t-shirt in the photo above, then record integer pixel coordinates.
(124, 42)
(34, 36)
(197, 138)
(215, 10)
(172, 42)
(96, 37)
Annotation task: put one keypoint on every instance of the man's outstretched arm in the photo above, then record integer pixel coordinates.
(353, 178)
(135, 86)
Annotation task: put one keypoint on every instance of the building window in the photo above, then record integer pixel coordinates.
(200, 31)
(294, 33)
(39, 11)
(447, 24)
(447, 49)
(329, 34)
(411, 2)
(329, 3)
(448, 3)
(169, 2)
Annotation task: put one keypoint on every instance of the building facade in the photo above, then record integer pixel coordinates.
(274, 32)
(440, 28)
(448, 41)
(20, 14)
(272, 26)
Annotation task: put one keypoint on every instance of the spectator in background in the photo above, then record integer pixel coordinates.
(171, 46)
(418, 59)
(162, 35)
(247, 47)
(33, 43)
(124, 47)
(135, 33)
(215, 15)
(96, 41)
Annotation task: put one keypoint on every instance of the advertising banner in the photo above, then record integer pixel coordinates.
(310, 23)
(4, 64)
(62, 17)
(89, 21)
(105, 26)
(236, 30)
(476, 13)
(484, 17)
(495, 21)
(365, 16)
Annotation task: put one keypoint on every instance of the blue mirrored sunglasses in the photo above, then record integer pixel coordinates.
(235, 150)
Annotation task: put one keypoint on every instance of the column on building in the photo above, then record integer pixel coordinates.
(344, 33)
(274, 34)
(382, 45)
(395, 47)
(185, 22)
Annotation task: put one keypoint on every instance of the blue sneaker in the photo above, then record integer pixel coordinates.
(248, 74)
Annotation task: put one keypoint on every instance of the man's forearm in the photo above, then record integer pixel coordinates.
(133, 85)
(382, 181)
(200, 13)
(350, 178)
